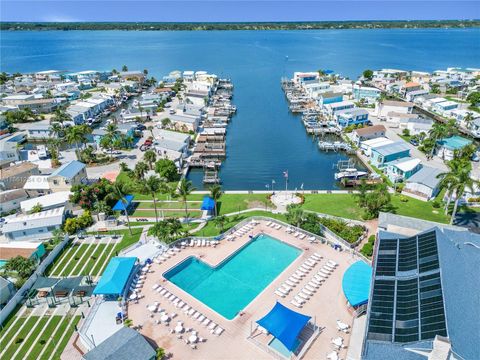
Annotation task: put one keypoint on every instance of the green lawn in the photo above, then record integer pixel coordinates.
(68, 334)
(211, 230)
(93, 258)
(27, 343)
(62, 259)
(98, 264)
(344, 205)
(169, 205)
(9, 351)
(170, 213)
(74, 261)
(11, 330)
(42, 340)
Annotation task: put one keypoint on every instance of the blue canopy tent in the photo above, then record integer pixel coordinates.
(208, 203)
(115, 277)
(356, 283)
(123, 204)
(285, 324)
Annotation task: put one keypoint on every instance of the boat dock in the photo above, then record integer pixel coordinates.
(210, 146)
(335, 146)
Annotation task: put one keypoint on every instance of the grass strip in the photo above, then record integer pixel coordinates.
(43, 339)
(68, 334)
(8, 354)
(27, 344)
(73, 261)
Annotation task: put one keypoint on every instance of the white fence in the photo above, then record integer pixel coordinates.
(18, 297)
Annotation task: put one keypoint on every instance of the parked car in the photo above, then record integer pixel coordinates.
(475, 157)
(141, 127)
(414, 142)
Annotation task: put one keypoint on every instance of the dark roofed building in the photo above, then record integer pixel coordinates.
(125, 344)
(425, 296)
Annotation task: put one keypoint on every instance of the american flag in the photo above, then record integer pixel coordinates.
(285, 174)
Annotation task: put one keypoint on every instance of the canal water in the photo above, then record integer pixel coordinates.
(264, 139)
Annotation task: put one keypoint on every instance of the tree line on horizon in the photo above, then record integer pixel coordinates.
(174, 26)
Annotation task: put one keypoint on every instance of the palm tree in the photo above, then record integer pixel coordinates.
(468, 120)
(150, 157)
(295, 215)
(100, 207)
(216, 193)
(74, 135)
(175, 226)
(457, 180)
(57, 129)
(60, 116)
(185, 188)
(152, 185)
(111, 130)
(437, 132)
(220, 221)
(140, 170)
(161, 230)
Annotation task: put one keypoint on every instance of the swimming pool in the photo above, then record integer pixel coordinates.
(234, 283)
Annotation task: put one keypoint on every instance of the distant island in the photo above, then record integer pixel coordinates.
(197, 26)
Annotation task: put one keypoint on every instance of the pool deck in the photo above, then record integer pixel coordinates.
(327, 305)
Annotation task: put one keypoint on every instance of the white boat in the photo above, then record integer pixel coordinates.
(350, 173)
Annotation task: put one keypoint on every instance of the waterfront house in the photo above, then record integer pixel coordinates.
(47, 202)
(172, 150)
(367, 145)
(9, 148)
(185, 123)
(305, 77)
(409, 87)
(445, 107)
(161, 134)
(424, 184)
(370, 94)
(446, 147)
(37, 185)
(67, 175)
(384, 154)
(394, 118)
(10, 200)
(39, 131)
(401, 169)
(367, 133)
(353, 116)
(317, 88)
(383, 108)
(416, 125)
(36, 226)
(332, 108)
(412, 95)
(15, 176)
(329, 98)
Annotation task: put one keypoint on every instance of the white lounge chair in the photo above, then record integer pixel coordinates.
(206, 322)
(298, 299)
(302, 236)
(196, 315)
(282, 290)
(326, 269)
(191, 312)
(296, 276)
(318, 255)
(279, 293)
(332, 263)
(293, 279)
(324, 273)
(310, 288)
(290, 283)
(316, 281)
(218, 331)
(286, 287)
(303, 296)
(315, 257)
(201, 318)
(307, 292)
(294, 303)
(268, 223)
(212, 326)
(310, 262)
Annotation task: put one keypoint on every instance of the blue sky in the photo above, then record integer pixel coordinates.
(234, 10)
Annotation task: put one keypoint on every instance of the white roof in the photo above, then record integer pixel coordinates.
(37, 182)
(437, 100)
(47, 201)
(19, 245)
(340, 104)
(447, 103)
(408, 165)
(170, 135)
(377, 142)
(53, 217)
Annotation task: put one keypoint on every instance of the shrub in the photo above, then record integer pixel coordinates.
(436, 204)
(73, 225)
(367, 248)
(350, 233)
(403, 198)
